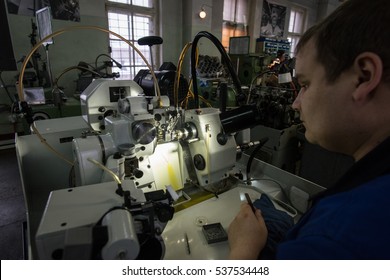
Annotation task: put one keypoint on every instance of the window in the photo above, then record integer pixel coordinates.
(296, 26)
(234, 20)
(132, 19)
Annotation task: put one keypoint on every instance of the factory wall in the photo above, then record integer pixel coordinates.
(179, 23)
(68, 49)
(170, 29)
(186, 25)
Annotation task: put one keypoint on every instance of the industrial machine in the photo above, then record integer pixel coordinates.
(123, 170)
(137, 166)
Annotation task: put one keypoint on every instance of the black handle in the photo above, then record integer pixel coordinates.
(150, 41)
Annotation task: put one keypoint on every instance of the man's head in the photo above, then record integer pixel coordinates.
(275, 14)
(342, 65)
(355, 27)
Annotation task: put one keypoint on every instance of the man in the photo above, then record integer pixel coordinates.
(343, 66)
(272, 28)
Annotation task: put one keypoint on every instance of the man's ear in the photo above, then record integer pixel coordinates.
(368, 68)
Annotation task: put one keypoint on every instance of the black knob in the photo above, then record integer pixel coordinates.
(199, 162)
(138, 173)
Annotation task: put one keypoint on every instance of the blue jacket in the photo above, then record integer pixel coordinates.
(349, 221)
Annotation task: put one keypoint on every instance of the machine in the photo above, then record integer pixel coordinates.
(130, 162)
(128, 175)
(127, 180)
(147, 134)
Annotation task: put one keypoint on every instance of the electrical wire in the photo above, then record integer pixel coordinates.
(44, 142)
(81, 27)
(100, 55)
(178, 73)
(71, 177)
(75, 67)
(59, 32)
(253, 81)
(225, 59)
(101, 166)
(189, 95)
(253, 154)
(204, 100)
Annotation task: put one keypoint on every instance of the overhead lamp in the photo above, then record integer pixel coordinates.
(202, 13)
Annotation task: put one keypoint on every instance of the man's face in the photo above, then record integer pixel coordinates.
(325, 108)
(274, 16)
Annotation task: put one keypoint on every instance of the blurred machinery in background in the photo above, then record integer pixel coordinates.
(272, 46)
(273, 91)
(266, 77)
(248, 66)
(212, 77)
(89, 72)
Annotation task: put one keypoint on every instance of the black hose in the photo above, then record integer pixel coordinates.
(253, 154)
(225, 58)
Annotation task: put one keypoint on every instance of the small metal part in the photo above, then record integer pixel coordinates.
(187, 244)
(144, 132)
(200, 221)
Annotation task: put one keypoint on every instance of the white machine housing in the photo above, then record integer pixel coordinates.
(153, 132)
(218, 158)
(149, 146)
(101, 97)
(66, 228)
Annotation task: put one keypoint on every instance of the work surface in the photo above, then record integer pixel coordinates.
(183, 235)
(186, 225)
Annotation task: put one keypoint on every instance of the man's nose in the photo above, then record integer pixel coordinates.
(297, 103)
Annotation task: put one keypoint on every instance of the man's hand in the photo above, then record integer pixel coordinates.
(247, 234)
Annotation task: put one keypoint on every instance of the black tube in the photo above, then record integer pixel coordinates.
(240, 118)
(252, 156)
(223, 93)
(225, 58)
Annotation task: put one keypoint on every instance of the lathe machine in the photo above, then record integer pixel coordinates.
(135, 178)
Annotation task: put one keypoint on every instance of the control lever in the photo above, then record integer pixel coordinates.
(150, 41)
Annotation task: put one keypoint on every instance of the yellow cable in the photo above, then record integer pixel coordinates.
(205, 101)
(75, 67)
(101, 166)
(61, 31)
(189, 94)
(44, 142)
(178, 73)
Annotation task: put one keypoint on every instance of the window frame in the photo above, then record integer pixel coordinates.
(292, 36)
(234, 28)
(132, 10)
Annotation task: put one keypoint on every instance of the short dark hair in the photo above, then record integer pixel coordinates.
(354, 27)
